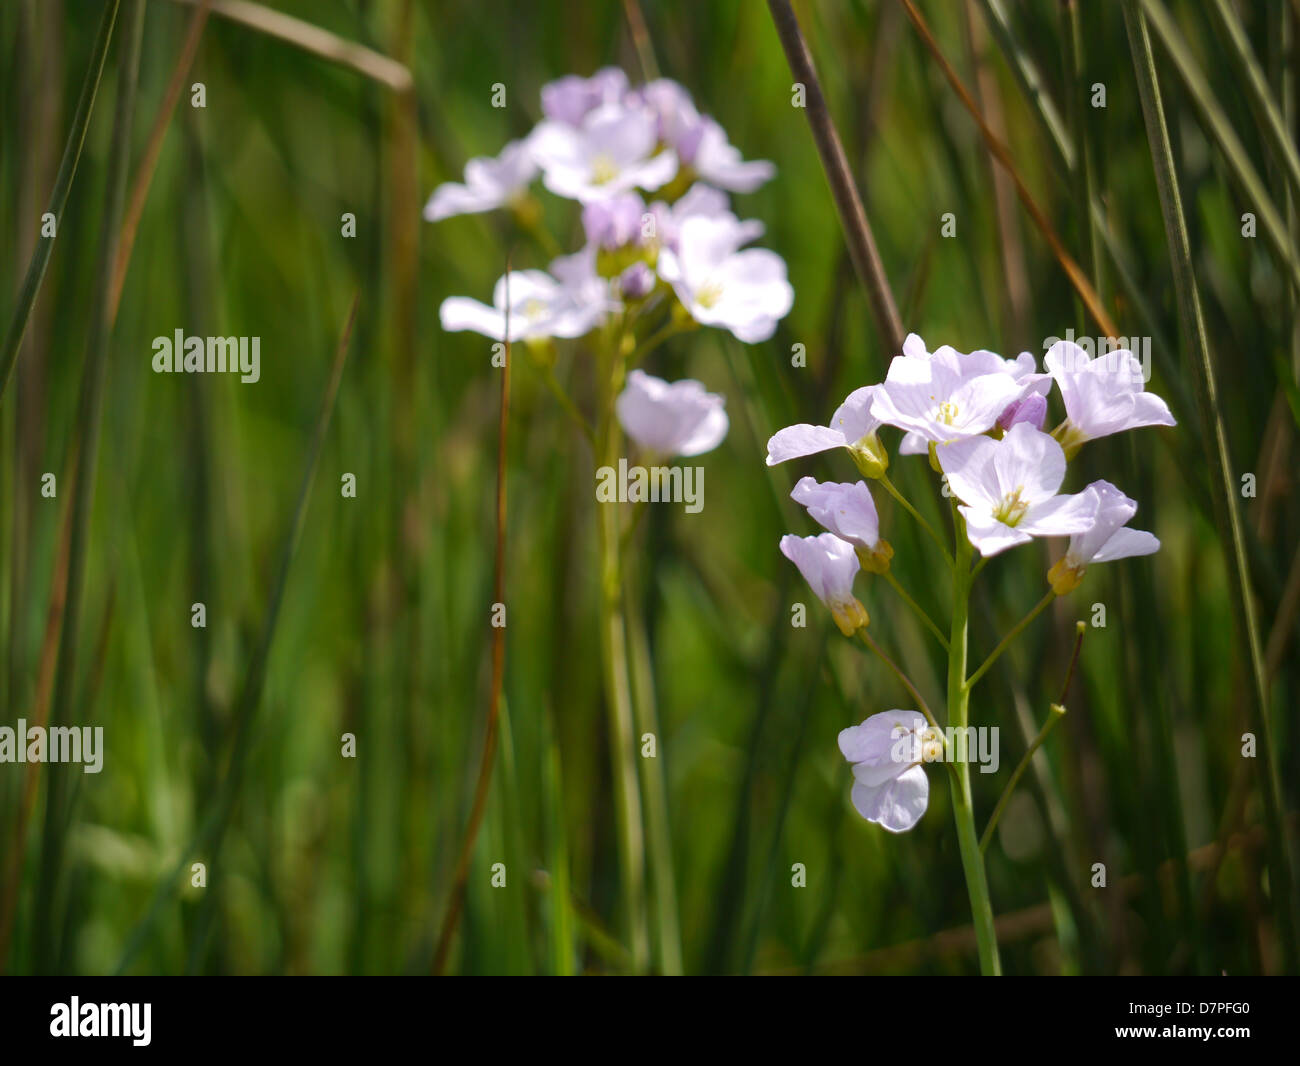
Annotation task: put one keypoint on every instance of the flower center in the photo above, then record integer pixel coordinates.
(708, 294)
(947, 413)
(603, 170)
(534, 309)
(1013, 507)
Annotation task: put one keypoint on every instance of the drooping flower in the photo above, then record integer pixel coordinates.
(887, 750)
(829, 565)
(852, 426)
(568, 302)
(489, 184)
(572, 98)
(667, 419)
(1008, 489)
(1102, 396)
(611, 152)
(745, 291)
(948, 395)
(848, 511)
(1107, 539)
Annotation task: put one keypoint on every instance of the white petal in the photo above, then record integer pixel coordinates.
(1125, 543)
(794, 442)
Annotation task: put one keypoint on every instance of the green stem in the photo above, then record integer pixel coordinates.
(1057, 713)
(569, 407)
(674, 327)
(917, 609)
(1005, 642)
(907, 506)
(618, 695)
(972, 860)
(668, 937)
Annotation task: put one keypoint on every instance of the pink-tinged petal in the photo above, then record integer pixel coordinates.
(554, 144)
(979, 401)
(1124, 543)
(1150, 410)
(970, 470)
(460, 313)
(1060, 516)
(453, 199)
(794, 442)
(914, 347)
(913, 444)
(1029, 463)
(653, 173)
(1031, 409)
(827, 563)
(896, 806)
(625, 137)
(872, 740)
(990, 536)
(708, 433)
(853, 417)
(847, 510)
(1114, 510)
(677, 418)
(722, 164)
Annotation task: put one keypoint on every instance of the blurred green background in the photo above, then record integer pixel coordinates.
(328, 864)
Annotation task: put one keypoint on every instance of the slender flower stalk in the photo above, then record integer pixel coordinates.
(618, 694)
(972, 860)
(1057, 713)
(917, 609)
(1007, 641)
(907, 506)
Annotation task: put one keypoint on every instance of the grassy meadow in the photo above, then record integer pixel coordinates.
(328, 613)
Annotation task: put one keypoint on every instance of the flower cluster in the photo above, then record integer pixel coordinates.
(652, 175)
(980, 418)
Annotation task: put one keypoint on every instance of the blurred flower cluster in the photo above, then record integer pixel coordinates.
(652, 176)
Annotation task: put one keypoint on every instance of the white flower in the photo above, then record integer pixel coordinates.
(852, 426)
(948, 395)
(1008, 489)
(1107, 539)
(887, 750)
(680, 418)
(743, 291)
(1103, 395)
(609, 154)
(489, 184)
(829, 565)
(569, 302)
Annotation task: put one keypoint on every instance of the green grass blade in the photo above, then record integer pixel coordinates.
(1214, 438)
(58, 195)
